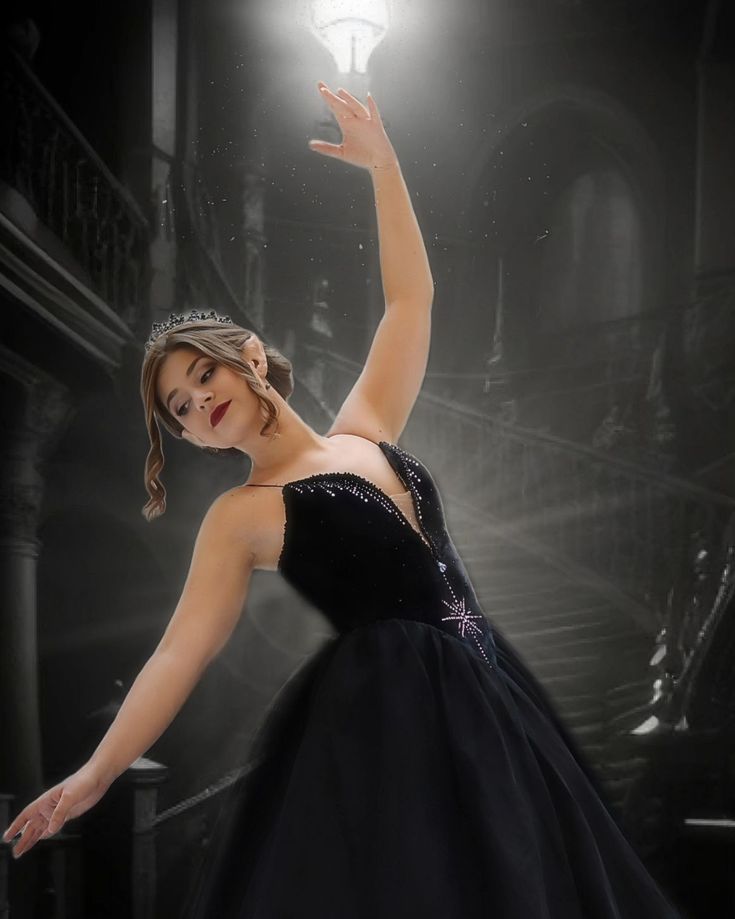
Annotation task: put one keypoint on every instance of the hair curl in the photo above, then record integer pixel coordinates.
(223, 342)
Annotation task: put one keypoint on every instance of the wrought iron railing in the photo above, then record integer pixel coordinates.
(45, 158)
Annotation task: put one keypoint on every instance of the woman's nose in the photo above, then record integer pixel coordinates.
(204, 399)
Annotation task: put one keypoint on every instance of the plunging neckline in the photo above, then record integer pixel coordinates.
(423, 537)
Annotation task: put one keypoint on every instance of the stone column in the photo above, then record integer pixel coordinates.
(33, 413)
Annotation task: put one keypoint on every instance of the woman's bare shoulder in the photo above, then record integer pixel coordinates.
(245, 516)
(237, 507)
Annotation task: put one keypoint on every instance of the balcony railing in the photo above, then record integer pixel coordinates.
(45, 158)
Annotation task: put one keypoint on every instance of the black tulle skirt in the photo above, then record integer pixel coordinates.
(398, 775)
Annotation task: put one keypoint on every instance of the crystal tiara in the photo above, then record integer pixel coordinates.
(174, 320)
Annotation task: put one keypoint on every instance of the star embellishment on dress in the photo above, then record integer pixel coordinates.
(464, 616)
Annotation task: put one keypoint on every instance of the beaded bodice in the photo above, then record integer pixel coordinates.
(351, 551)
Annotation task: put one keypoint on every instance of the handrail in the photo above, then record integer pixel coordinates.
(210, 791)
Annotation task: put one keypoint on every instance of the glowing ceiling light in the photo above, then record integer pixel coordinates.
(350, 29)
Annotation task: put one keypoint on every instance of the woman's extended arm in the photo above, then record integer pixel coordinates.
(206, 614)
(157, 694)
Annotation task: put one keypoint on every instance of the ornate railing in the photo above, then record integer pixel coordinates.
(45, 158)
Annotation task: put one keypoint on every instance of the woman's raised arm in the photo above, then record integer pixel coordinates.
(381, 400)
(207, 612)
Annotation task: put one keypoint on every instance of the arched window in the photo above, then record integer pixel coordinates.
(590, 266)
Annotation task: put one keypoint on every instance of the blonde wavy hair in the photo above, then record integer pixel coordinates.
(223, 342)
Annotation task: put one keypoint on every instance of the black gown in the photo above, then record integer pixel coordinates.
(412, 766)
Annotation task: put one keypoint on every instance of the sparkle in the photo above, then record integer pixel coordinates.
(463, 616)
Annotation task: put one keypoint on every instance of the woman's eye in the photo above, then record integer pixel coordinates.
(205, 376)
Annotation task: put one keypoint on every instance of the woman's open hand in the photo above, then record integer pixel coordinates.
(48, 813)
(364, 141)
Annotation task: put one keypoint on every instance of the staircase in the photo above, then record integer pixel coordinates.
(591, 657)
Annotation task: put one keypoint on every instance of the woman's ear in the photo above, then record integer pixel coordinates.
(253, 353)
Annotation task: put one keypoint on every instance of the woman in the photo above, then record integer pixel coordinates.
(413, 766)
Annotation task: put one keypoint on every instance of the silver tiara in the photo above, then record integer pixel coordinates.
(174, 320)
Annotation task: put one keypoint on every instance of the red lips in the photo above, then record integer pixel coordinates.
(217, 413)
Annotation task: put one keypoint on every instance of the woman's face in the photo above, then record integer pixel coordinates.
(196, 390)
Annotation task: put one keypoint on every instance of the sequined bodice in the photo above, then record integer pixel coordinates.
(351, 550)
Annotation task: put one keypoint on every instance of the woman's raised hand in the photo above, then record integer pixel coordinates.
(364, 141)
(48, 813)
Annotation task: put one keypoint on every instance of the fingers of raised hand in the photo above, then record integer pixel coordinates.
(342, 107)
(351, 105)
(373, 108)
(356, 107)
(321, 146)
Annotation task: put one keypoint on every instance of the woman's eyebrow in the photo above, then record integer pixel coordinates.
(188, 373)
